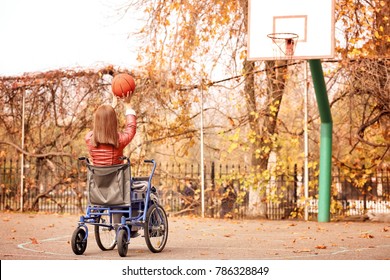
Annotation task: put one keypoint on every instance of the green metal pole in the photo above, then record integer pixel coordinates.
(326, 140)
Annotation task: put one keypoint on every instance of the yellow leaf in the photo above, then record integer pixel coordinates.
(232, 147)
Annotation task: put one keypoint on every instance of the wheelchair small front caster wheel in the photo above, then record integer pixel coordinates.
(122, 243)
(79, 242)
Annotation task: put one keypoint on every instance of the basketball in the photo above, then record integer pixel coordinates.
(122, 84)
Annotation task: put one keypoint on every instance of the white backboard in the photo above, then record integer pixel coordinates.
(311, 20)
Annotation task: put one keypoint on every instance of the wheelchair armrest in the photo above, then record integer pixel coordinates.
(85, 159)
(125, 158)
(139, 179)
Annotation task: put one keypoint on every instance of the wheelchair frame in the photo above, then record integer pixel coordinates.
(142, 212)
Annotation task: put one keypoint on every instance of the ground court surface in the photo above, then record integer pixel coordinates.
(38, 245)
(47, 237)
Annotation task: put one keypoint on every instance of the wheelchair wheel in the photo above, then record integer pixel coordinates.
(123, 245)
(78, 243)
(105, 236)
(156, 228)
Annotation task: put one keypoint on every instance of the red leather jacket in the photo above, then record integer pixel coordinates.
(107, 154)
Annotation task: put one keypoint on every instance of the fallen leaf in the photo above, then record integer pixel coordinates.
(320, 247)
(227, 235)
(367, 235)
(34, 240)
(6, 219)
(385, 229)
(292, 225)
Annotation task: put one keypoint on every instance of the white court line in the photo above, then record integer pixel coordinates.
(21, 246)
(53, 239)
(287, 256)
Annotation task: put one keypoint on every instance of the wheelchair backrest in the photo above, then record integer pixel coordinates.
(109, 185)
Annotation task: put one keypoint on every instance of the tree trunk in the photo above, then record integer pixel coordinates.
(265, 127)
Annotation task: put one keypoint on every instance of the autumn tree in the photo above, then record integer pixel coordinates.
(56, 108)
(189, 44)
(365, 49)
(191, 48)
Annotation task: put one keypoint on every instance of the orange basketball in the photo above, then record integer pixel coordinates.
(123, 84)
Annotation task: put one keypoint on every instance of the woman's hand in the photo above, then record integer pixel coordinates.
(126, 103)
(127, 98)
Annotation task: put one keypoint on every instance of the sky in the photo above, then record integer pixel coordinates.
(42, 35)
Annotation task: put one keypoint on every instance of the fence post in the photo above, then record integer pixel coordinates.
(295, 185)
(212, 192)
(212, 175)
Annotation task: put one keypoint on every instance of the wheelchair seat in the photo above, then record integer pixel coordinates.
(139, 188)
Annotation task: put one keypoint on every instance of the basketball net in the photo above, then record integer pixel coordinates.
(284, 45)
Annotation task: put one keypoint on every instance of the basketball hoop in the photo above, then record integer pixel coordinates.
(284, 45)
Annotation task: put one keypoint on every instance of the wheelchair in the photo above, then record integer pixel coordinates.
(114, 195)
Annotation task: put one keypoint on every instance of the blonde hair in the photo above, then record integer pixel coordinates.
(105, 127)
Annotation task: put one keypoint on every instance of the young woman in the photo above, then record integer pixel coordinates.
(105, 143)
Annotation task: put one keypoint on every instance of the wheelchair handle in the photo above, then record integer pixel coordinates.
(154, 167)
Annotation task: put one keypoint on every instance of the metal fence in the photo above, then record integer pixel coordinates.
(226, 195)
